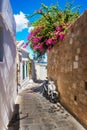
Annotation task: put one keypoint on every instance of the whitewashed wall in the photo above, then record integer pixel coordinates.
(7, 74)
(6, 11)
(39, 71)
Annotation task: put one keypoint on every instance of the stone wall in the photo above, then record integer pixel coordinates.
(67, 66)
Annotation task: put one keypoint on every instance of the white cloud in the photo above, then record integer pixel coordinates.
(30, 29)
(21, 21)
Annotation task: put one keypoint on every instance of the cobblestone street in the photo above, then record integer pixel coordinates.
(37, 113)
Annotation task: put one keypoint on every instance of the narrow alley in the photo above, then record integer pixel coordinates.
(35, 112)
(45, 41)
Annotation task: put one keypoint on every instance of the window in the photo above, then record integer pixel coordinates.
(1, 44)
(86, 85)
(26, 69)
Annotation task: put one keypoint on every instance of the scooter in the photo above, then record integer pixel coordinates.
(54, 97)
(49, 91)
(53, 94)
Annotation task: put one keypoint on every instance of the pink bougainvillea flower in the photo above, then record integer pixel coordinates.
(61, 36)
(29, 36)
(59, 28)
(41, 48)
(49, 48)
(49, 41)
(37, 39)
(54, 41)
(24, 46)
(26, 43)
(34, 32)
(50, 28)
(35, 48)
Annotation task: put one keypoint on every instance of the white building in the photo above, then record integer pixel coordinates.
(22, 64)
(39, 70)
(7, 64)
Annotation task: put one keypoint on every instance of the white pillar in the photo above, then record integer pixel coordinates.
(21, 72)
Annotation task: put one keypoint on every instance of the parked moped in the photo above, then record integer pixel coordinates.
(49, 91)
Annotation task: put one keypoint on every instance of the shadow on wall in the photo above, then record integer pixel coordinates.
(14, 123)
(34, 76)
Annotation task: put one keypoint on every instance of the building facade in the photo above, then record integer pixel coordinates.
(8, 87)
(22, 65)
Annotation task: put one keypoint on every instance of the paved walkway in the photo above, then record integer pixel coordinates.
(37, 113)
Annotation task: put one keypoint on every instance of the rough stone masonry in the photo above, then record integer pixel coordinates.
(67, 66)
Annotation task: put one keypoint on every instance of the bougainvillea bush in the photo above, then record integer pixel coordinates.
(51, 27)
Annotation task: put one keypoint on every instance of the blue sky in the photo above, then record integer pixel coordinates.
(29, 6)
(23, 7)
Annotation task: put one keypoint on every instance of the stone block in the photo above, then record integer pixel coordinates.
(75, 65)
